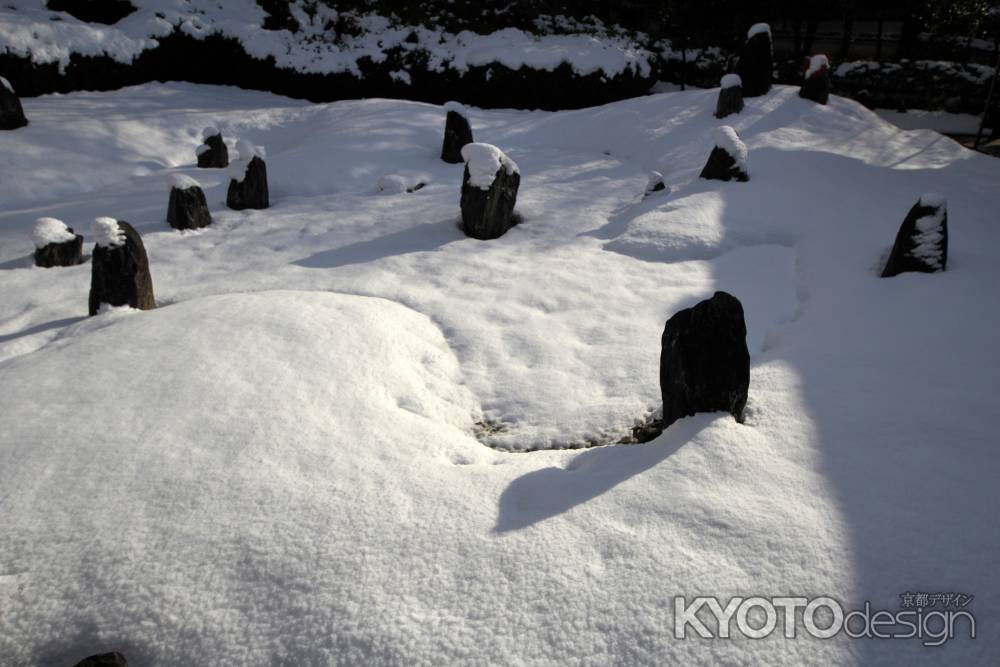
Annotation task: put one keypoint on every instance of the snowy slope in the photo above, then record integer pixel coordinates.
(274, 467)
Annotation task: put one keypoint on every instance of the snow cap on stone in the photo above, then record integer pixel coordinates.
(731, 81)
(209, 131)
(202, 148)
(484, 161)
(727, 139)
(107, 232)
(457, 107)
(817, 63)
(933, 200)
(759, 28)
(6, 84)
(182, 182)
(248, 151)
(655, 178)
(50, 230)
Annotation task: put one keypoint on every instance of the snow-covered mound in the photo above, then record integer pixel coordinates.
(298, 476)
(50, 230)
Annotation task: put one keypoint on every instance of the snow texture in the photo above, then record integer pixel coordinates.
(27, 28)
(50, 230)
(6, 84)
(726, 138)
(484, 162)
(730, 81)
(182, 182)
(282, 466)
(817, 63)
(107, 232)
(457, 107)
(759, 28)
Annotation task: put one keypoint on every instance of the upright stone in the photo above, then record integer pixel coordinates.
(816, 85)
(730, 96)
(56, 244)
(212, 153)
(489, 191)
(187, 208)
(704, 361)
(728, 159)
(655, 183)
(457, 133)
(120, 267)
(756, 61)
(103, 660)
(11, 113)
(922, 241)
(248, 179)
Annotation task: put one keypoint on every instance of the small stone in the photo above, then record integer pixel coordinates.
(655, 183)
(728, 160)
(187, 208)
(56, 244)
(11, 112)
(104, 660)
(212, 154)
(922, 241)
(756, 62)
(489, 191)
(704, 360)
(120, 267)
(816, 86)
(730, 96)
(457, 133)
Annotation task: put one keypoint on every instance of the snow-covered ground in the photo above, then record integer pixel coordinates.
(280, 464)
(940, 121)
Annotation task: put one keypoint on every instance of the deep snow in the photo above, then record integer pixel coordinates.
(280, 464)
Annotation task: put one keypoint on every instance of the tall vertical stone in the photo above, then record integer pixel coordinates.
(730, 96)
(248, 179)
(489, 191)
(704, 360)
(457, 133)
(922, 241)
(816, 84)
(11, 112)
(756, 61)
(120, 267)
(187, 207)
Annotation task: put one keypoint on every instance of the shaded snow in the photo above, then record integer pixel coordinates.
(6, 84)
(817, 63)
(730, 81)
(725, 137)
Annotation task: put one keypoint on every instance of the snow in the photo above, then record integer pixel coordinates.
(27, 28)
(933, 200)
(6, 84)
(759, 29)
(730, 81)
(50, 230)
(281, 464)
(248, 151)
(107, 232)
(940, 121)
(817, 63)
(182, 182)
(402, 76)
(484, 162)
(457, 107)
(655, 178)
(726, 138)
(209, 131)
(201, 149)
(930, 232)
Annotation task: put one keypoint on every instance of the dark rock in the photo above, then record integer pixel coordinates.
(120, 268)
(11, 113)
(487, 213)
(457, 133)
(922, 241)
(816, 86)
(107, 12)
(67, 253)
(213, 154)
(56, 244)
(704, 361)
(251, 191)
(655, 183)
(727, 161)
(104, 660)
(756, 61)
(188, 208)
(730, 96)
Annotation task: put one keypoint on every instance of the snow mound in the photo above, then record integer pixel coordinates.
(107, 232)
(726, 138)
(6, 84)
(817, 63)
(484, 161)
(457, 107)
(758, 29)
(182, 182)
(50, 230)
(209, 131)
(730, 81)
